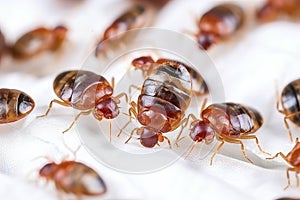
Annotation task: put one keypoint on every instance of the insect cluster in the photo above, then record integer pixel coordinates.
(164, 98)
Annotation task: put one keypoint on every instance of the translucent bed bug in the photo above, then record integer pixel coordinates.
(130, 19)
(273, 8)
(290, 104)
(87, 92)
(293, 159)
(227, 122)
(219, 23)
(37, 41)
(73, 177)
(14, 105)
(161, 105)
(148, 65)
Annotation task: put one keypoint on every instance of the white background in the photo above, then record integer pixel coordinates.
(249, 65)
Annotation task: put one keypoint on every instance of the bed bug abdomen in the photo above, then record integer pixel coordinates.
(14, 105)
(232, 119)
(290, 100)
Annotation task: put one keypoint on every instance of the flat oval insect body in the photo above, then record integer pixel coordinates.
(164, 98)
(148, 65)
(86, 91)
(132, 18)
(290, 103)
(228, 122)
(74, 177)
(219, 23)
(14, 105)
(37, 41)
(273, 8)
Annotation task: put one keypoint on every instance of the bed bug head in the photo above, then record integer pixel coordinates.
(106, 108)
(48, 170)
(144, 63)
(149, 137)
(266, 13)
(201, 131)
(206, 39)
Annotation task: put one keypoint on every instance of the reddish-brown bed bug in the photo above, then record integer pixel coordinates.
(161, 105)
(219, 23)
(130, 19)
(14, 105)
(87, 92)
(293, 159)
(37, 41)
(73, 177)
(290, 104)
(273, 8)
(227, 122)
(147, 65)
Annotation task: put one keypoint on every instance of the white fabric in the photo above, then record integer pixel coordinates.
(249, 66)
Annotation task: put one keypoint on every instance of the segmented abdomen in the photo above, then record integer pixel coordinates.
(290, 97)
(14, 105)
(232, 119)
(167, 91)
(81, 89)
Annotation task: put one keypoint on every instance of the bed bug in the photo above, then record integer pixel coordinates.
(88, 92)
(160, 108)
(73, 177)
(287, 198)
(227, 122)
(132, 18)
(148, 65)
(293, 159)
(219, 23)
(14, 105)
(2, 45)
(273, 8)
(290, 104)
(37, 41)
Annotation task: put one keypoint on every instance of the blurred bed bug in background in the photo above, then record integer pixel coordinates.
(87, 92)
(289, 100)
(148, 65)
(227, 122)
(73, 177)
(161, 105)
(37, 41)
(14, 105)
(2, 45)
(287, 198)
(271, 9)
(219, 23)
(134, 17)
(293, 159)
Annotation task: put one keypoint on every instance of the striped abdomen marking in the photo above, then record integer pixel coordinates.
(81, 89)
(14, 105)
(165, 96)
(232, 119)
(290, 100)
